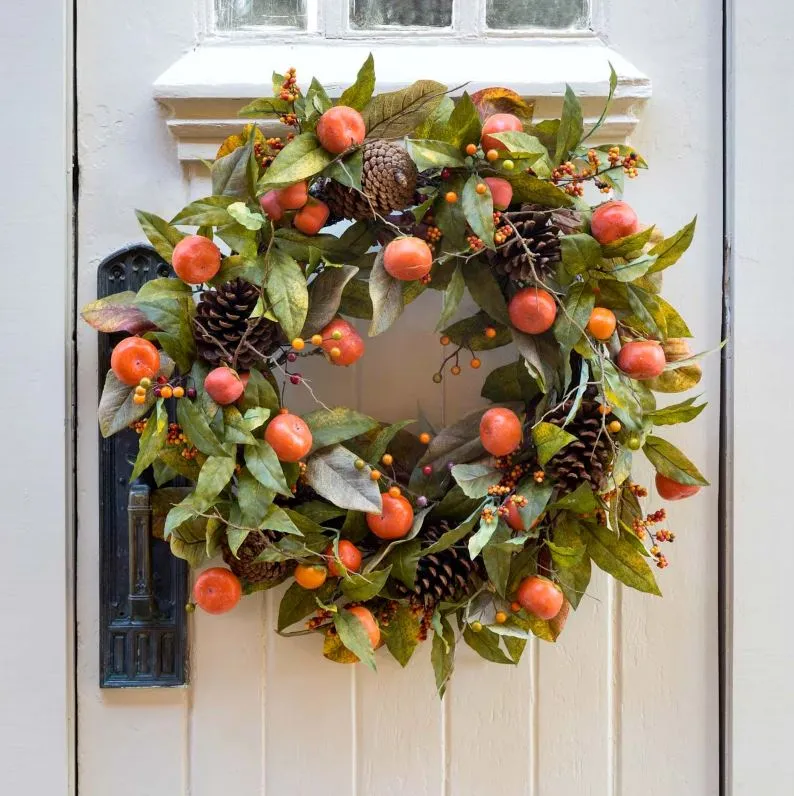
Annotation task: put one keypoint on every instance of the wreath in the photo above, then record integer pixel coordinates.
(485, 530)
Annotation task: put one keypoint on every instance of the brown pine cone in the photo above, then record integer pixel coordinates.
(245, 566)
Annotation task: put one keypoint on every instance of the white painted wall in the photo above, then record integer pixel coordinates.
(625, 704)
(36, 673)
(762, 688)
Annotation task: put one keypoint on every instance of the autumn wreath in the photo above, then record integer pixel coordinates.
(487, 529)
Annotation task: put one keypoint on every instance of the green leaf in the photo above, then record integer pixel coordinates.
(246, 218)
(647, 312)
(509, 383)
(160, 233)
(230, 172)
(264, 465)
(116, 408)
(255, 417)
(329, 426)
(381, 442)
(463, 126)
(485, 291)
(482, 536)
(152, 440)
(402, 634)
(302, 158)
(265, 106)
(573, 319)
(571, 126)
(580, 253)
(278, 519)
(360, 587)
(168, 304)
(669, 251)
(613, 84)
(287, 291)
(347, 171)
(629, 271)
(403, 558)
(434, 154)
(354, 636)
(325, 296)
(677, 413)
(317, 101)
(497, 559)
(541, 357)
(253, 498)
(575, 576)
(210, 211)
(527, 188)
(386, 293)
(259, 392)
(435, 125)
(549, 440)
(452, 296)
(617, 557)
(486, 644)
(581, 500)
(359, 94)
(528, 147)
(537, 496)
(631, 244)
(454, 535)
(395, 114)
(476, 479)
(234, 427)
(333, 475)
(671, 463)
(297, 603)
(442, 656)
(215, 473)
(470, 332)
(173, 459)
(478, 210)
(197, 429)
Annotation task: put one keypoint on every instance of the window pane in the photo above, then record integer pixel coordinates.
(424, 13)
(231, 14)
(557, 14)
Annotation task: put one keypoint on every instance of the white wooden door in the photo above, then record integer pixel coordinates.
(627, 702)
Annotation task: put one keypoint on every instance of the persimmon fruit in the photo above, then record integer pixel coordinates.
(540, 596)
(350, 345)
(289, 436)
(270, 206)
(196, 259)
(612, 221)
(395, 519)
(642, 359)
(310, 576)
(349, 555)
(407, 258)
(669, 489)
(501, 192)
(133, 359)
(498, 123)
(500, 431)
(364, 615)
(514, 519)
(602, 323)
(293, 197)
(340, 128)
(217, 590)
(532, 310)
(311, 218)
(224, 385)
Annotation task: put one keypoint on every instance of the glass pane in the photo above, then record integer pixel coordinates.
(231, 14)
(423, 13)
(556, 14)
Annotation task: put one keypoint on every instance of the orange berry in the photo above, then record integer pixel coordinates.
(317, 339)
(394, 521)
(310, 576)
(604, 409)
(217, 590)
(475, 363)
(133, 359)
(298, 344)
(335, 352)
(445, 340)
(614, 427)
(491, 155)
(471, 149)
(455, 370)
(375, 475)
(166, 392)
(196, 259)
(289, 436)
(490, 332)
(481, 188)
(501, 617)
(387, 459)
(139, 399)
(395, 491)
(515, 607)
(140, 390)
(451, 197)
(424, 438)
(179, 392)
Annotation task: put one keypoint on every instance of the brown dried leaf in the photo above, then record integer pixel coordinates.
(497, 99)
(116, 313)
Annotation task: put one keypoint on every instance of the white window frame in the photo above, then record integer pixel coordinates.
(329, 19)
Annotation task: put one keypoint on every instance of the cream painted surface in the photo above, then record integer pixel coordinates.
(36, 672)
(625, 704)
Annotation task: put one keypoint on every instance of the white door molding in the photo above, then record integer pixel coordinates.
(36, 474)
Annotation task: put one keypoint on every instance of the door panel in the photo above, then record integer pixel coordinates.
(626, 703)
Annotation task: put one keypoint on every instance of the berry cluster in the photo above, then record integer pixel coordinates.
(266, 153)
(289, 88)
(639, 526)
(501, 231)
(177, 436)
(455, 370)
(629, 162)
(519, 501)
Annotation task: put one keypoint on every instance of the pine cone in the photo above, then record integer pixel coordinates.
(589, 457)
(536, 242)
(248, 569)
(388, 181)
(448, 575)
(221, 321)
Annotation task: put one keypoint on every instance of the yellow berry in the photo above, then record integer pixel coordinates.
(359, 464)
(476, 626)
(138, 399)
(335, 353)
(604, 409)
(140, 390)
(179, 392)
(146, 382)
(387, 459)
(508, 165)
(501, 617)
(614, 427)
(317, 339)
(395, 491)
(298, 344)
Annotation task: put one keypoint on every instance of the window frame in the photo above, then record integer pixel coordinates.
(330, 19)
